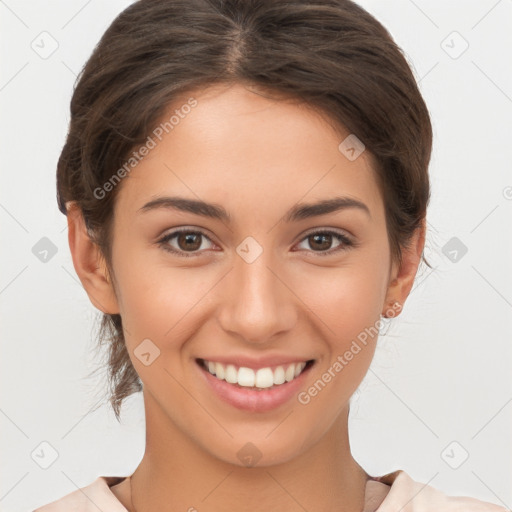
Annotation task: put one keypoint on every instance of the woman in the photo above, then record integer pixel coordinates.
(246, 186)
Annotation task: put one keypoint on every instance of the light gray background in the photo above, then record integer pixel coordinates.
(440, 375)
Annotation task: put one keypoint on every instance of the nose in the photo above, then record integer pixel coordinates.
(257, 305)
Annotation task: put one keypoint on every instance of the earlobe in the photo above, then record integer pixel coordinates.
(89, 263)
(402, 279)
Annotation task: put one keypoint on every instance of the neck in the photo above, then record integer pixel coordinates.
(175, 474)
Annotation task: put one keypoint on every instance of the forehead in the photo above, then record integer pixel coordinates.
(239, 146)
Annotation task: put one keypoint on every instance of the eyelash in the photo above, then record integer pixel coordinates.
(346, 242)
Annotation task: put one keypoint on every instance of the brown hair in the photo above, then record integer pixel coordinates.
(330, 54)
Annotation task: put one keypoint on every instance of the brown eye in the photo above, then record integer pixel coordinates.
(320, 242)
(187, 241)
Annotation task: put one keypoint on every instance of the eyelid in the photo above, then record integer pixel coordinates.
(347, 240)
(337, 231)
(164, 239)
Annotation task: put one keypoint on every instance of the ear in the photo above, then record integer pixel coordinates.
(402, 278)
(90, 263)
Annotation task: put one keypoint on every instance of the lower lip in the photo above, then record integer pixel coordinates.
(251, 399)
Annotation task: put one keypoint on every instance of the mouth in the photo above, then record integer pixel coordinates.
(265, 378)
(254, 390)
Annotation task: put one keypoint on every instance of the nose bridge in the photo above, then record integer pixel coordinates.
(258, 305)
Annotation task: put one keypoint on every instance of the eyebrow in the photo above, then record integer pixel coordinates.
(298, 212)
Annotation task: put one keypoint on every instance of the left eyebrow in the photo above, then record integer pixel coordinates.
(303, 211)
(298, 212)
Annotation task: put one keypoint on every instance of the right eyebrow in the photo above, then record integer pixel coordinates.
(188, 205)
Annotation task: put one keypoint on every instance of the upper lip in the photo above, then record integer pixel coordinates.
(256, 362)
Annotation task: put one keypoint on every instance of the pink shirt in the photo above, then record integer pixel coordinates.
(392, 492)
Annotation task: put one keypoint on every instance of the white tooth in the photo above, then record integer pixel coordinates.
(219, 371)
(298, 368)
(279, 375)
(231, 374)
(246, 376)
(264, 378)
(290, 372)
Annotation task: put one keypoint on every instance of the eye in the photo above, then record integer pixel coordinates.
(322, 240)
(191, 241)
(187, 240)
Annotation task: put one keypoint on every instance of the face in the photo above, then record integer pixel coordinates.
(259, 279)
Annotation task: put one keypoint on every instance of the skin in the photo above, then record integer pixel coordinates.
(257, 157)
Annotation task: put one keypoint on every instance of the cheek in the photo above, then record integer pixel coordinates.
(346, 305)
(158, 300)
(161, 302)
(346, 299)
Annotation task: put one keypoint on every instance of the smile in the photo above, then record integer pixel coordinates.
(262, 378)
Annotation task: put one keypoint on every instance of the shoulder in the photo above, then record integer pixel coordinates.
(407, 495)
(91, 498)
